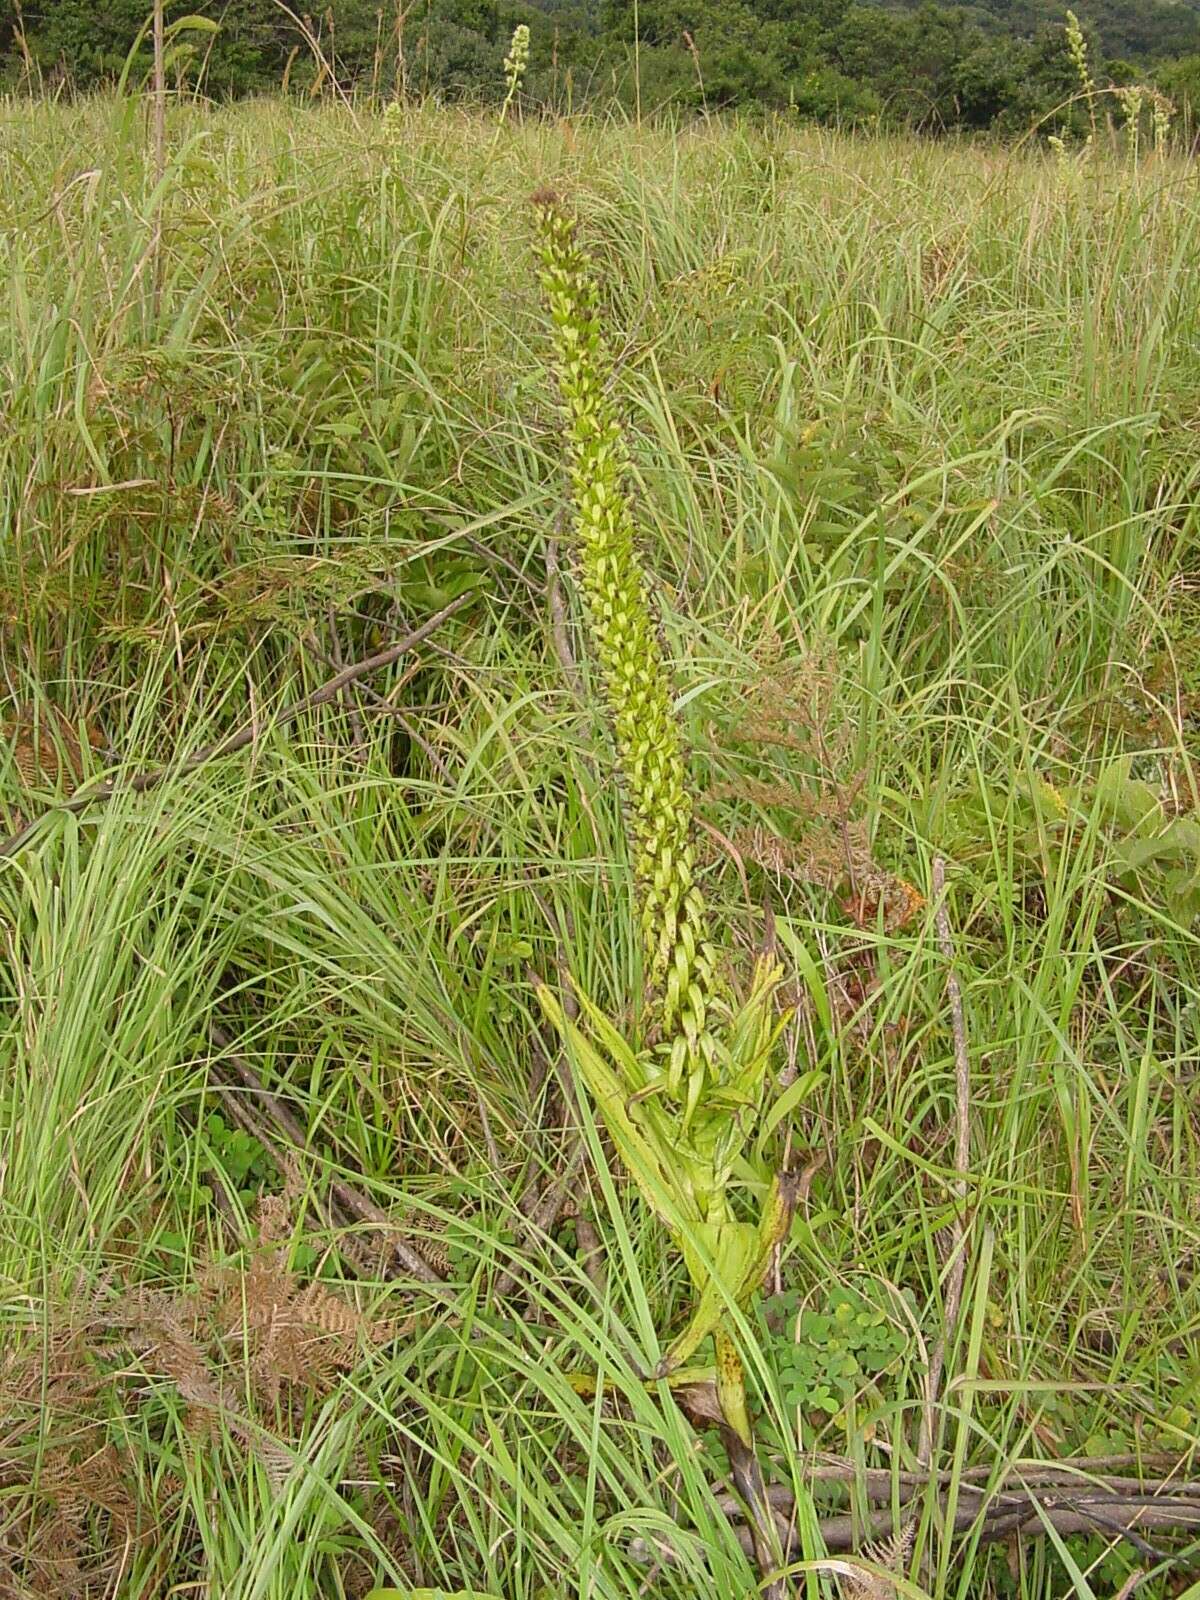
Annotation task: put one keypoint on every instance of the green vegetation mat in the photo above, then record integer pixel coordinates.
(317, 1272)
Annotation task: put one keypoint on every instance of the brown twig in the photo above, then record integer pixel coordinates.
(1082, 1474)
(1020, 1513)
(490, 553)
(542, 1218)
(388, 708)
(1027, 1517)
(1038, 1494)
(1131, 1585)
(956, 1235)
(357, 726)
(140, 782)
(241, 1111)
(160, 93)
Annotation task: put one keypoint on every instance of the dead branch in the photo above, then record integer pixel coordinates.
(1021, 1514)
(1026, 1517)
(240, 1110)
(1081, 1474)
(1020, 1506)
(387, 708)
(349, 700)
(955, 1237)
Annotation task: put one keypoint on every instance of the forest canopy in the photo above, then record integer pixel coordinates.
(997, 65)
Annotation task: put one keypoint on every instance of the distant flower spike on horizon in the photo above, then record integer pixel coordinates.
(517, 59)
(516, 63)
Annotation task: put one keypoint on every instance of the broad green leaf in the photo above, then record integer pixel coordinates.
(643, 1160)
(191, 24)
(733, 1250)
(731, 1388)
(619, 1049)
(1134, 804)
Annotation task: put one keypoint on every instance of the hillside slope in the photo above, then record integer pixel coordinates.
(1141, 29)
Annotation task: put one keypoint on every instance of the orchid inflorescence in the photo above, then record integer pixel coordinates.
(680, 1101)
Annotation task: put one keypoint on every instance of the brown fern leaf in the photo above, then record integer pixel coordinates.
(273, 1217)
(818, 859)
(158, 1332)
(893, 1555)
(325, 1313)
(45, 746)
(277, 1214)
(157, 1329)
(431, 1243)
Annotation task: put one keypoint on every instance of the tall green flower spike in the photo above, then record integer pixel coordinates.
(681, 1107)
(637, 682)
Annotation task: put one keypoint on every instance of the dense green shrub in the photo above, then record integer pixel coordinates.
(990, 65)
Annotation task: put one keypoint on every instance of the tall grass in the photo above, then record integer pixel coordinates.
(913, 435)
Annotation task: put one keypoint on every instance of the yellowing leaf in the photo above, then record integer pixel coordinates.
(430, 1594)
(733, 1248)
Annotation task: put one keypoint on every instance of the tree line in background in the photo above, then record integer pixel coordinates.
(998, 65)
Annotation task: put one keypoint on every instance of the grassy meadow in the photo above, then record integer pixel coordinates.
(304, 1229)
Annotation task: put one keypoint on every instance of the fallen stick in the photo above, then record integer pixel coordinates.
(1032, 1469)
(140, 782)
(955, 1236)
(879, 1484)
(384, 706)
(1020, 1517)
(1017, 1515)
(357, 726)
(241, 1111)
(1045, 1494)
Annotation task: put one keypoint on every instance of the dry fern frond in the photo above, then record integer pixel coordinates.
(431, 1243)
(893, 1555)
(158, 1333)
(817, 859)
(780, 796)
(46, 749)
(74, 1504)
(275, 1216)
